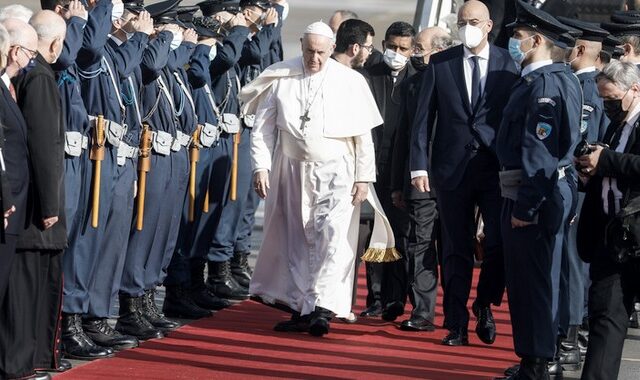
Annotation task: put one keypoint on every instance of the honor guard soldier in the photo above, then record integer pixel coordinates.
(536, 135)
(187, 295)
(627, 28)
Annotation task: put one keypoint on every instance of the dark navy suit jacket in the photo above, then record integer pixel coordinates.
(460, 130)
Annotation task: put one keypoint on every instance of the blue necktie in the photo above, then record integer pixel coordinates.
(476, 89)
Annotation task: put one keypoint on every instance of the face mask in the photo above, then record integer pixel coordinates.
(471, 36)
(117, 11)
(516, 52)
(394, 60)
(177, 40)
(285, 12)
(417, 61)
(614, 111)
(28, 67)
(213, 53)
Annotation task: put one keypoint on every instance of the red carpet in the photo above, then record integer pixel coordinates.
(239, 343)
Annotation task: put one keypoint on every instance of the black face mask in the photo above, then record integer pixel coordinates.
(418, 63)
(614, 111)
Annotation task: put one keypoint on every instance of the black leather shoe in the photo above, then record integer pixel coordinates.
(456, 337)
(222, 283)
(319, 326)
(38, 376)
(569, 350)
(295, 324)
(633, 320)
(99, 331)
(555, 370)
(76, 344)
(486, 326)
(417, 324)
(392, 311)
(528, 369)
(132, 322)
(63, 366)
(206, 299)
(179, 304)
(240, 269)
(151, 313)
(512, 370)
(374, 310)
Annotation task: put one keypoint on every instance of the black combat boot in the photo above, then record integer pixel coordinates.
(570, 351)
(151, 313)
(179, 304)
(222, 283)
(132, 322)
(99, 331)
(76, 344)
(201, 294)
(240, 269)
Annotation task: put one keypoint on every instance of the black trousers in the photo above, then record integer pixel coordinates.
(30, 314)
(479, 186)
(613, 287)
(7, 254)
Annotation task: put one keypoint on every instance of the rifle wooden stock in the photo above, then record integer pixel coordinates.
(194, 157)
(97, 156)
(144, 164)
(205, 207)
(233, 194)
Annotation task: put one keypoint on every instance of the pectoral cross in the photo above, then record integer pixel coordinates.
(304, 118)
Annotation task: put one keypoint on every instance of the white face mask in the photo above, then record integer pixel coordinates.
(471, 36)
(285, 11)
(177, 40)
(117, 11)
(395, 61)
(213, 52)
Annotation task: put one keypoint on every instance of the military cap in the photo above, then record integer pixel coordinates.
(162, 8)
(590, 31)
(263, 4)
(135, 6)
(211, 7)
(626, 17)
(619, 30)
(529, 16)
(207, 27)
(186, 14)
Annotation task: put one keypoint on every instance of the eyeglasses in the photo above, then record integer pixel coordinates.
(474, 22)
(369, 48)
(32, 53)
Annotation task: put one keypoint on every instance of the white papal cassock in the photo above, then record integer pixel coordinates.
(307, 258)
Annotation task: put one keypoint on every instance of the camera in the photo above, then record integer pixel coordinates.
(582, 149)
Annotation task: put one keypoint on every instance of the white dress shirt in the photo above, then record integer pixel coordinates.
(612, 183)
(467, 64)
(6, 80)
(589, 69)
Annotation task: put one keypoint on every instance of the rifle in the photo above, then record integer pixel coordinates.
(144, 164)
(97, 156)
(205, 207)
(234, 168)
(194, 157)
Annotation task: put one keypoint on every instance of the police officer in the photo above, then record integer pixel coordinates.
(593, 126)
(534, 138)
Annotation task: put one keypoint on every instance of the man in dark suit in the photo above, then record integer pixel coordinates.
(466, 89)
(611, 177)
(384, 79)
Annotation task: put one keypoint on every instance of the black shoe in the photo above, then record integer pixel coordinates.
(222, 283)
(529, 369)
(63, 366)
(295, 324)
(417, 324)
(132, 322)
(569, 351)
(37, 376)
(633, 320)
(555, 370)
(99, 331)
(204, 298)
(319, 326)
(456, 337)
(76, 344)
(151, 313)
(392, 311)
(486, 326)
(512, 370)
(179, 304)
(583, 342)
(240, 269)
(374, 310)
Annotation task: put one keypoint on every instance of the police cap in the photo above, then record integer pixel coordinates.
(529, 16)
(135, 6)
(620, 30)
(262, 4)
(590, 31)
(626, 17)
(162, 8)
(207, 27)
(186, 14)
(211, 7)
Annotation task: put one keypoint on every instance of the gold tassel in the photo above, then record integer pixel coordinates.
(381, 255)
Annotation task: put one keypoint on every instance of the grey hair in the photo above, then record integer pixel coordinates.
(18, 11)
(442, 42)
(622, 74)
(49, 25)
(18, 31)
(347, 14)
(4, 46)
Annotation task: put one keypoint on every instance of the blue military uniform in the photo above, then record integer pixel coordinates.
(539, 128)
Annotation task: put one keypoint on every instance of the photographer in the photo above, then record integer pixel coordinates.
(610, 174)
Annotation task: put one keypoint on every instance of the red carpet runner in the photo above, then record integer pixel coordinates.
(239, 343)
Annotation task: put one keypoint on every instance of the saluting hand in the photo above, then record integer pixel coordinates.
(421, 183)
(190, 35)
(261, 183)
(143, 23)
(360, 191)
(76, 9)
(272, 17)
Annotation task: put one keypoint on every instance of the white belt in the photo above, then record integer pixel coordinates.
(113, 131)
(74, 143)
(162, 142)
(182, 139)
(126, 151)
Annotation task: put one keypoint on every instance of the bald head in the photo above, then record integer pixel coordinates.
(584, 54)
(23, 41)
(339, 17)
(51, 30)
(432, 40)
(474, 8)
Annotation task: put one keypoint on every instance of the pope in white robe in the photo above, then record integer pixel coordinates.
(314, 161)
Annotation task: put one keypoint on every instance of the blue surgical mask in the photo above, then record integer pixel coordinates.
(515, 50)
